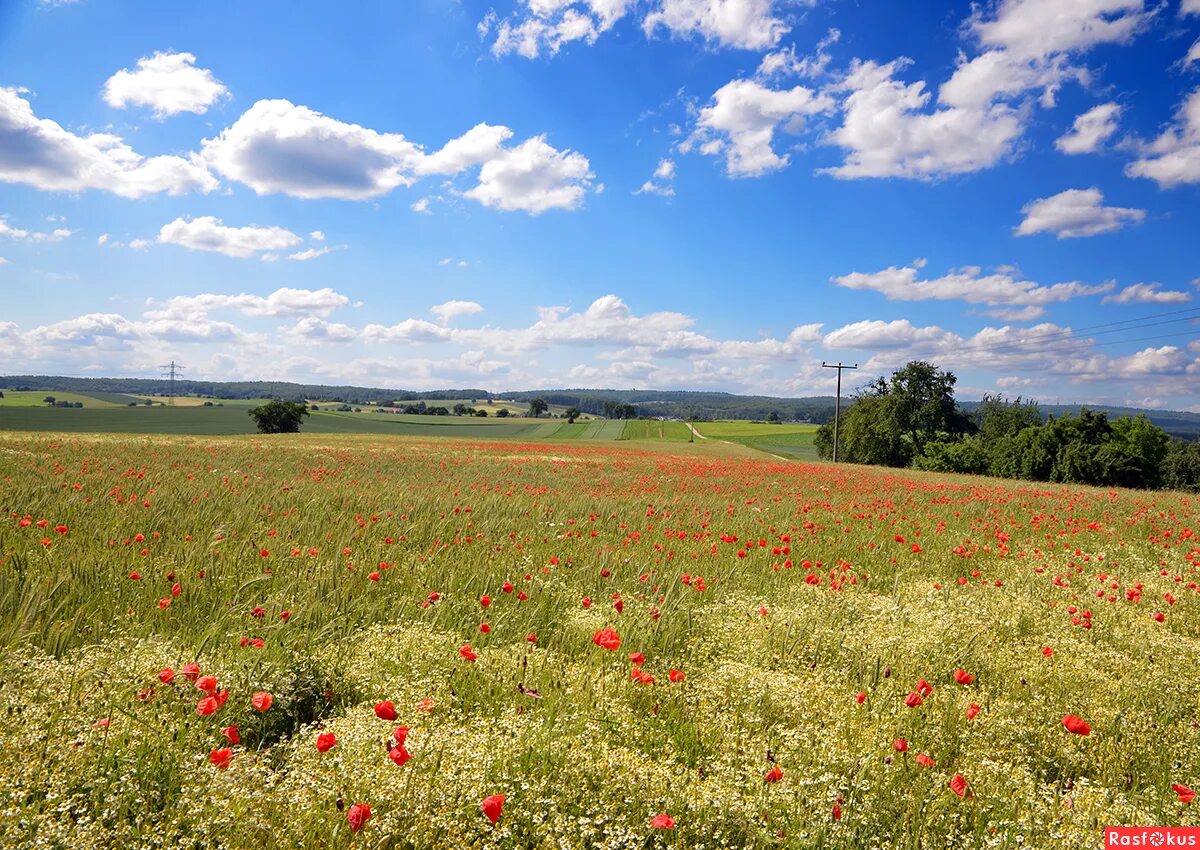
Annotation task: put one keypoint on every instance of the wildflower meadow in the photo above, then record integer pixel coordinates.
(332, 641)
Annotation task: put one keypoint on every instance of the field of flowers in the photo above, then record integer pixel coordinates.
(326, 642)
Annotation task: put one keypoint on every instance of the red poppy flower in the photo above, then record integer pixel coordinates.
(190, 671)
(1186, 795)
(1077, 725)
(207, 705)
(399, 755)
(676, 676)
(358, 816)
(166, 675)
(401, 734)
(231, 734)
(924, 688)
(206, 683)
(913, 700)
(326, 742)
(1047, 651)
(860, 697)
(663, 821)
(384, 710)
(467, 653)
(774, 774)
(492, 807)
(924, 760)
(972, 711)
(221, 757)
(607, 638)
(958, 785)
(485, 601)
(837, 811)
(637, 658)
(900, 745)
(963, 677)
(262, 700)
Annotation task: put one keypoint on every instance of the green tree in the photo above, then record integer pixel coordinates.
(502, 413)
(773, 417)
(49, 400)
(1181, 466)
(1144, 445)
(996, 418)
(537, 407)
(868, 434)
(923, 403)
(572, 413)
(279, 417)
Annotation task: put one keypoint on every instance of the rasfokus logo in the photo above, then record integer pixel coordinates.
(1151, 836)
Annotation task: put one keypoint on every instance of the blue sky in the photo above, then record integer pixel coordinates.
(702, 194)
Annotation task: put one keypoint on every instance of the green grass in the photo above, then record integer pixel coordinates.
(788, 440)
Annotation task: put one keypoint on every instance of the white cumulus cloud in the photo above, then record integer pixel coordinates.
(1173, 159)
(533, 177)
(41, 153)
(999, 289)
(741, 121)
(1073, 213)
(207, 233)
(1090, 130)
(168, 83)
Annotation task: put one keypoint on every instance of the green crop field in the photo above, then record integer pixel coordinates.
(789, 440)
(233, 418)
(652, 429)
(34, 398)
(244, 642)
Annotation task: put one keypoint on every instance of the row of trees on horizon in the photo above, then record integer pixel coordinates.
(912, 420)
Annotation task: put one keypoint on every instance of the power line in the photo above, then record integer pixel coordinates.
(170, 370)
(1075, 335)
(1069, 346)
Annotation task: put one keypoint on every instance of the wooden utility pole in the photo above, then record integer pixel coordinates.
(837, 407)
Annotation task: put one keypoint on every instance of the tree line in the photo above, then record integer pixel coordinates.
(912, 420)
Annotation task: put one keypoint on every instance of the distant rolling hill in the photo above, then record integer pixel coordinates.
(671, 404)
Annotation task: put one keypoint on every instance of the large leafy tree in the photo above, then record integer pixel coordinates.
(893, 419)
(923, 405)
(279, 417)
